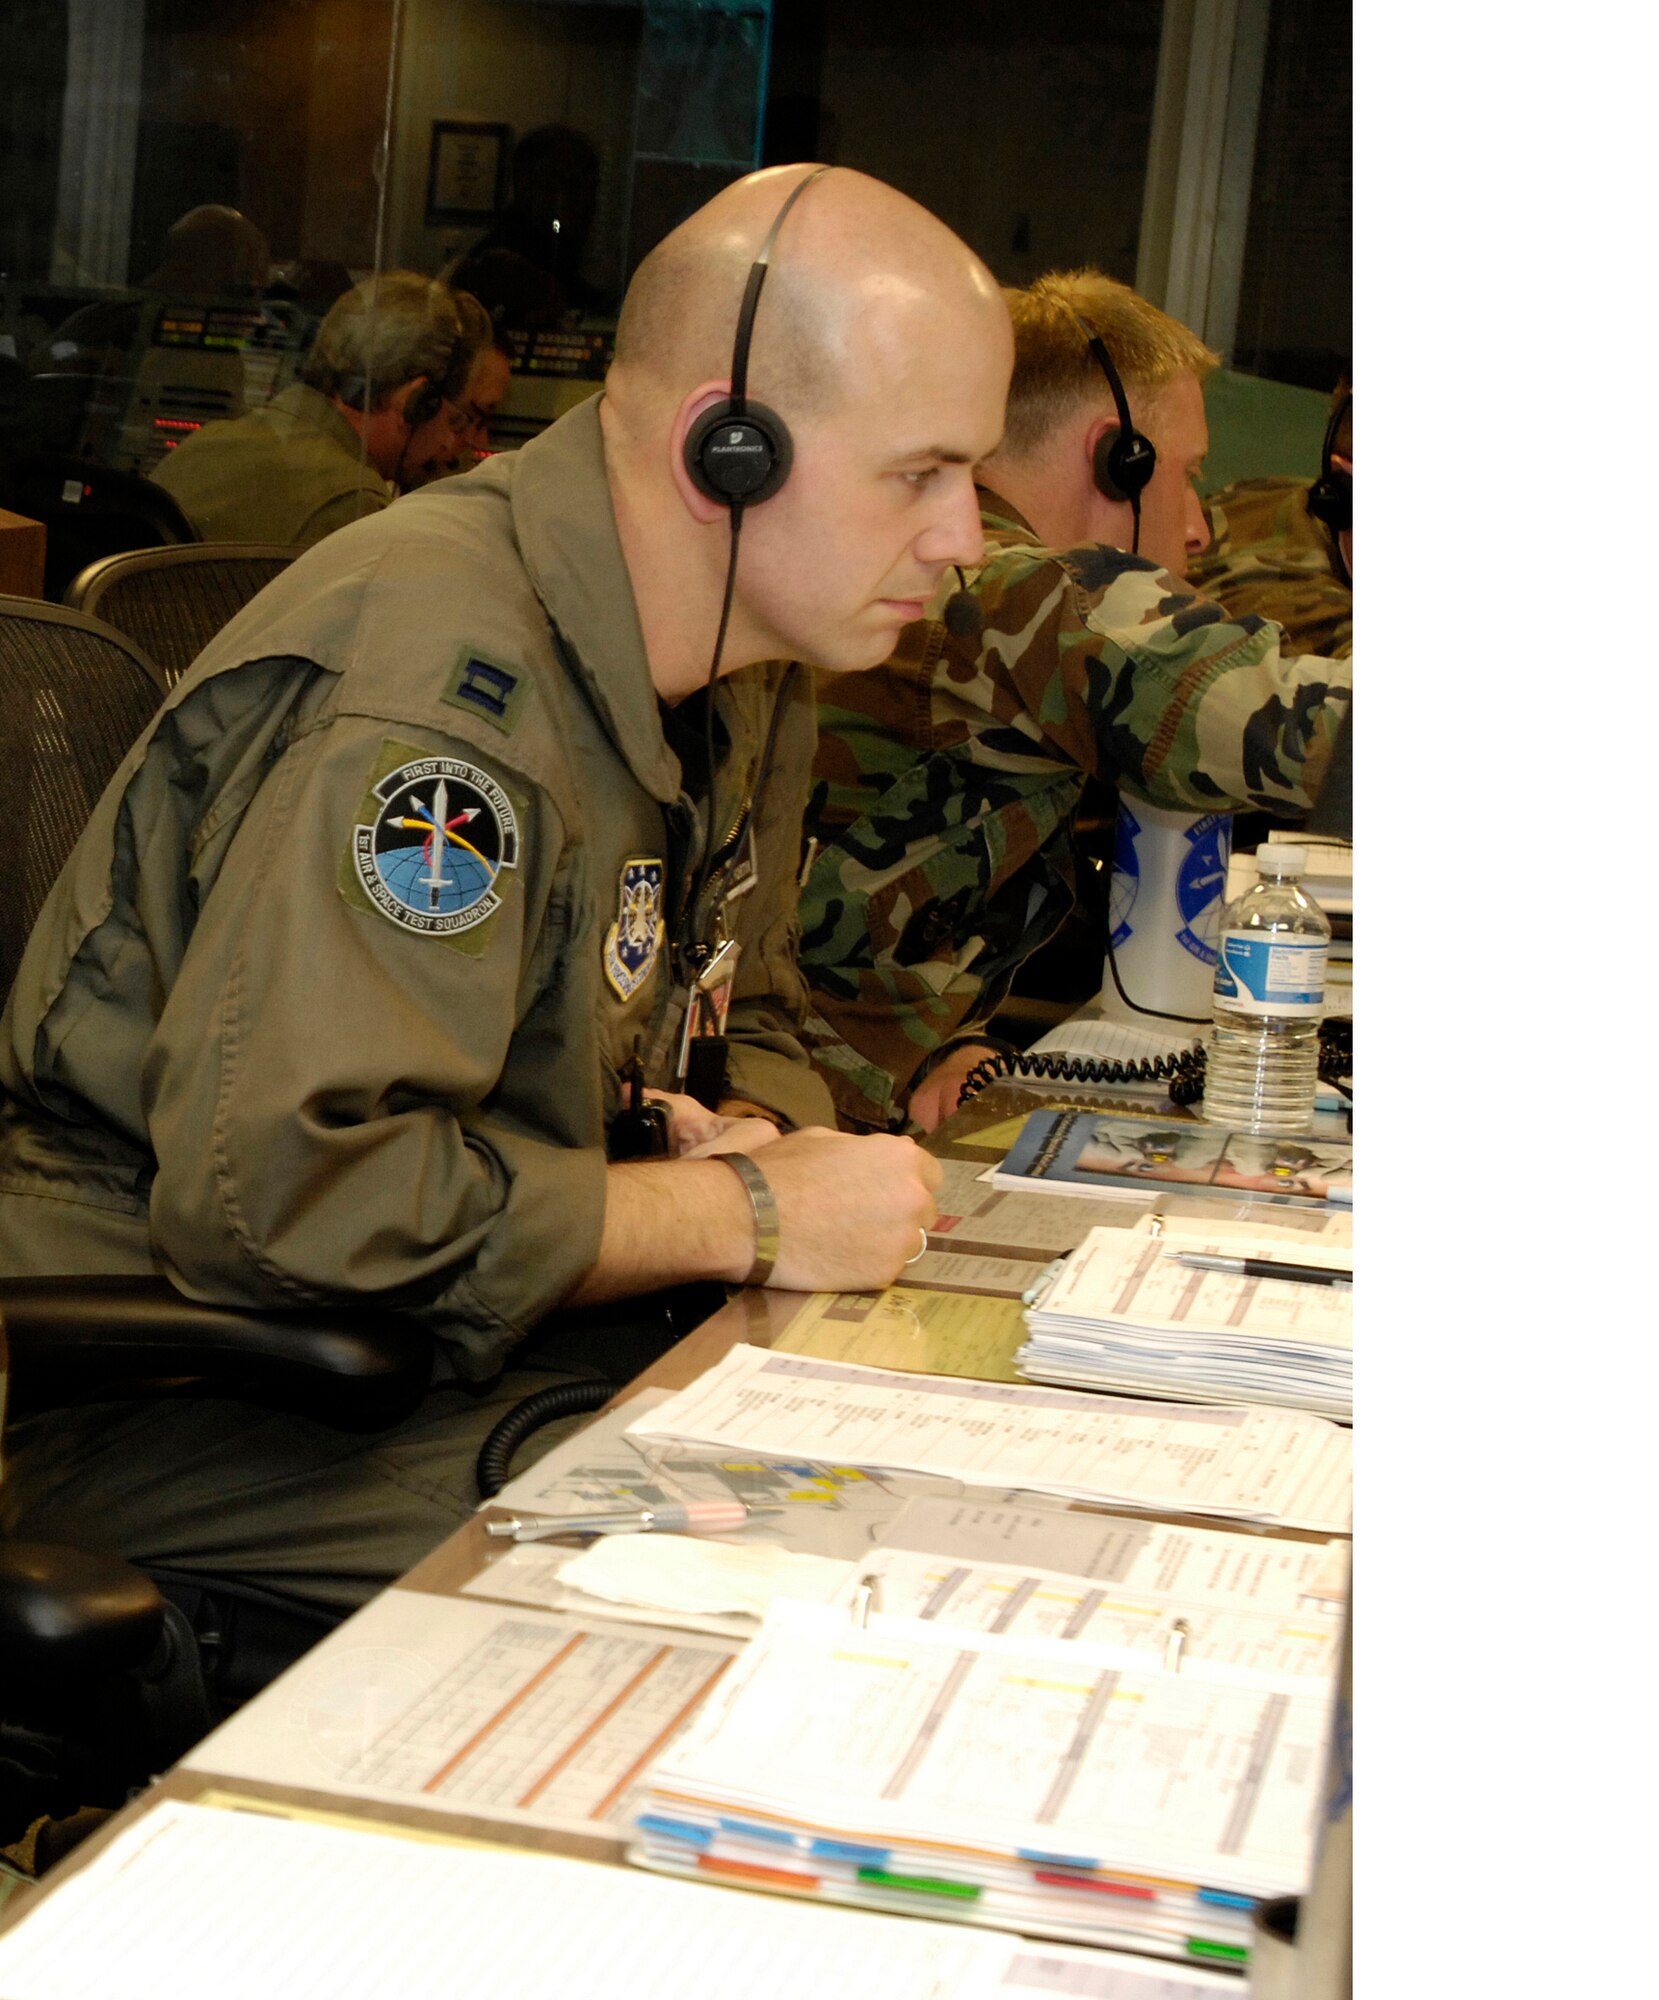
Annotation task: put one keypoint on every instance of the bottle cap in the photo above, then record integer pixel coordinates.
(1276, 857)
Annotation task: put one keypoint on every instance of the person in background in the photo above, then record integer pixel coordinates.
(344, 992)
(1272, 555)
(380, 405)
(457, 435)
(212, 252)
(947, 782)
(519, 296)
(555, 177)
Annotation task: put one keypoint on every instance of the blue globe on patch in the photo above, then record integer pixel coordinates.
(404, 871)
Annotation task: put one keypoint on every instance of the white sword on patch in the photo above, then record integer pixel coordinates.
(435, 879)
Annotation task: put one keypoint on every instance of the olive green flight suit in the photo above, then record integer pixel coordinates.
(261, 1042)
(291, 470)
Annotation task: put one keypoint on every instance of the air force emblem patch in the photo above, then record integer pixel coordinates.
(633, 941)
(432, 854)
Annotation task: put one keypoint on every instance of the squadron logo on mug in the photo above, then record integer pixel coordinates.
(633, 941)
(432, 856)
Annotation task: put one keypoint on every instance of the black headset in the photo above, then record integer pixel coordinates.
(1124, 459)
(739, 452)
(1331, 496)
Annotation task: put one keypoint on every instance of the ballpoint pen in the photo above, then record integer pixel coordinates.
(1179, 1633)
(691, 1517)
(1262, 1267)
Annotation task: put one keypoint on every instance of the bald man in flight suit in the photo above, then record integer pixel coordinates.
(334, 1000)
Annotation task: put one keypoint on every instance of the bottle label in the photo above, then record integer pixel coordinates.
(1265, 972)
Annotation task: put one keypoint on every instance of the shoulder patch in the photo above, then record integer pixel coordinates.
(480, 687)
(633, 941)
(433, 838)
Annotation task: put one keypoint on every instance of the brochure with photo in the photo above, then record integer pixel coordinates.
(1089, 1152)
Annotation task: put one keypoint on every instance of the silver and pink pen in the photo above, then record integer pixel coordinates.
(691, 1517)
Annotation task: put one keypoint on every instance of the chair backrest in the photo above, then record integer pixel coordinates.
(90, 511)
(74, 696)
(171, 602)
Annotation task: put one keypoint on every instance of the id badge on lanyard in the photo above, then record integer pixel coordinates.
(712, 970)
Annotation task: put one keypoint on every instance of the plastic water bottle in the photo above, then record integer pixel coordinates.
(1262, 1062)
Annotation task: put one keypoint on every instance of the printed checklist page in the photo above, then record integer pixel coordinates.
(1243, 1462)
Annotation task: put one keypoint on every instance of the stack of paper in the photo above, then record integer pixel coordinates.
(1123, 1313)
(1328, 877)
(1054, 1787)
(191, 1902)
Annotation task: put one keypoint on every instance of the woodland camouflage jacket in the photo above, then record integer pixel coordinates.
(946, 781)
(1268, 555)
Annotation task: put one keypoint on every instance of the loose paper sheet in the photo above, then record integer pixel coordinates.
(678, 1573)
(830, 1509)
(1240, 1461)
(919, 1331)
(193, 1903)
(1191, 1560)
(464, 1707)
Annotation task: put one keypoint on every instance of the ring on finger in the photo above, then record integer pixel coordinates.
(920, 1254)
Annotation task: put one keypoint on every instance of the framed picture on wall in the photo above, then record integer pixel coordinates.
(465, 169)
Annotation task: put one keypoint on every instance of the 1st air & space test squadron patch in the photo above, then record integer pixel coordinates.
(633, 941)
(433, 838)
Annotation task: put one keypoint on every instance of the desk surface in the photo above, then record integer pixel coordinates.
(913, 1327)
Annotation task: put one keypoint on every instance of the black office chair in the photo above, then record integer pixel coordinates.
(172, 601)
(108, 1674)
(90, 511)
(74, 695)
(102, 1682)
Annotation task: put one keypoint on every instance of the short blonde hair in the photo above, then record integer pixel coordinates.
(1054, 372)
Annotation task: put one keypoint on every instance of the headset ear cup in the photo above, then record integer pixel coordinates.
(1331, 500)
(739, 459)
(1124, 461)
(1331, 496)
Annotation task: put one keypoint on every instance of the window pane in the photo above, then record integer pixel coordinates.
(1295, 320)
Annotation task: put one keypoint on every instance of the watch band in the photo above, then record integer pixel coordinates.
(765, 1205)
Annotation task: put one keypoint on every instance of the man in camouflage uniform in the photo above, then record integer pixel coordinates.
(947, 780)
(1270, 556)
